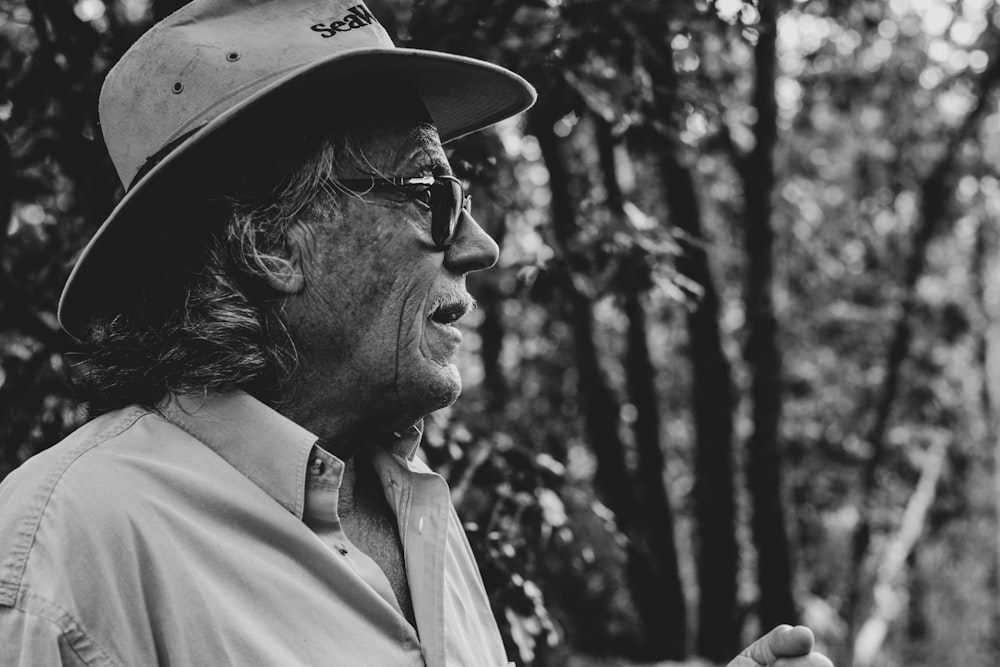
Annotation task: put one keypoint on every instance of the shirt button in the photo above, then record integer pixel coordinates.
(317, 467)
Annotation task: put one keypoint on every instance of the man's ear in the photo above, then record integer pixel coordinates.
(286, 272)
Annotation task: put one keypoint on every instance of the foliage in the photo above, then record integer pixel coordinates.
(879, 138)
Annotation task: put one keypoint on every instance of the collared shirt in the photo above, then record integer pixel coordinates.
(208, 534)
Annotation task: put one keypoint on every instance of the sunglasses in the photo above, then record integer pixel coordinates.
(444, 196)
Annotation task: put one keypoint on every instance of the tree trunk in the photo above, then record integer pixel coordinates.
(712, 408)
(491, 332)
(712, 401)
(599, 403)
(764, 461)
(491, 299)
(656, 514)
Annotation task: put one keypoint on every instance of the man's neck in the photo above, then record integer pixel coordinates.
(341, 431)
(347, 501)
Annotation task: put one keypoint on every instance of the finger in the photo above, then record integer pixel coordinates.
(743, 661)
(811, 660)
(783, 641)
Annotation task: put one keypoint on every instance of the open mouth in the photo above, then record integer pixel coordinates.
(450, 311)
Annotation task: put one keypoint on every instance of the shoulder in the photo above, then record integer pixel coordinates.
(57, 468)
(62, 492)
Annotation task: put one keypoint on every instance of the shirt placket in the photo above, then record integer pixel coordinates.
(323, 482)
(421, 504)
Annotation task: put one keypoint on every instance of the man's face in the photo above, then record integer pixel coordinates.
(375, 324)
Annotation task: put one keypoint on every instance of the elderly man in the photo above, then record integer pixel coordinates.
(271, 309)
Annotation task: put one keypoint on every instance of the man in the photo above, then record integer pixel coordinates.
(272, 311)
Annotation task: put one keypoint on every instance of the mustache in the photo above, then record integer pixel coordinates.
(457, 300)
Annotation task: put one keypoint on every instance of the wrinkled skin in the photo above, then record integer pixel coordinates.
(784, 646)
(372, 359)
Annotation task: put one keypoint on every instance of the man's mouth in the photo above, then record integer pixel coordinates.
(449, 310)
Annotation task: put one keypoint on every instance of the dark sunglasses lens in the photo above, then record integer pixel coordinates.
(446, 208)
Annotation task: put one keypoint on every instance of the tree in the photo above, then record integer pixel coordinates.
(764, 460)
(803, 182)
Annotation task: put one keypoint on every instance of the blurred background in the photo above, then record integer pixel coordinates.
(738, 365)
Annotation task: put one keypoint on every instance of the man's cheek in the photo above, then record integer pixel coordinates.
(410, 338)
(412, 325)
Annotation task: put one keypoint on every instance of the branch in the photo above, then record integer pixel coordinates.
(935, 191)
(935, 197)
(888, 602)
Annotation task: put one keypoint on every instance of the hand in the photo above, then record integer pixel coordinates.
(784, 646)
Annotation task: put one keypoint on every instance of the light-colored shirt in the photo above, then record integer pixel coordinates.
(207, 534)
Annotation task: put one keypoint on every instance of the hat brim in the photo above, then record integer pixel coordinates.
(462, 95)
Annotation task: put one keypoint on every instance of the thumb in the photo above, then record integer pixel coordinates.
(782, 642)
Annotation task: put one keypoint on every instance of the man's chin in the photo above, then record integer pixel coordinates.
(437, 386)
(448, 385)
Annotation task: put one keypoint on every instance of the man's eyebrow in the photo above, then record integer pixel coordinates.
(421, 156)
(433, 165)
(418, 153)
(425, 164)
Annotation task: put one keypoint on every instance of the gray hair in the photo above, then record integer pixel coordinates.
(205, 320)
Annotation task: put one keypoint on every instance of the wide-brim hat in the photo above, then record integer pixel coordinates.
(199, 74)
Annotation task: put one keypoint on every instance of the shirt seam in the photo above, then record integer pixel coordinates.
(66, 623)
(17, 561)
(300, 481)
(404, 509)
(439, 556)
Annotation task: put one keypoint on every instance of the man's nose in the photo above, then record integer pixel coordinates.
(473, 249)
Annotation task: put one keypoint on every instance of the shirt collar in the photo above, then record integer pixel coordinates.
(405, 442)
(267, 447)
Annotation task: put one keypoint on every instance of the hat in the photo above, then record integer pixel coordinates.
(194, 75)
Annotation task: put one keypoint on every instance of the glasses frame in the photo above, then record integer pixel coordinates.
(445, 214)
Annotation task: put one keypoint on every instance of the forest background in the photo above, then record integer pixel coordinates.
(740, 361)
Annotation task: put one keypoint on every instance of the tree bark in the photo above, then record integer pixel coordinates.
(717, 565)
(656, 514)
(491, 332)
(600, 405)
(712, 400)
(764, 461)
(491, 302)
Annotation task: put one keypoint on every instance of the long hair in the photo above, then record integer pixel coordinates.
(203, 319)
(194, 314)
